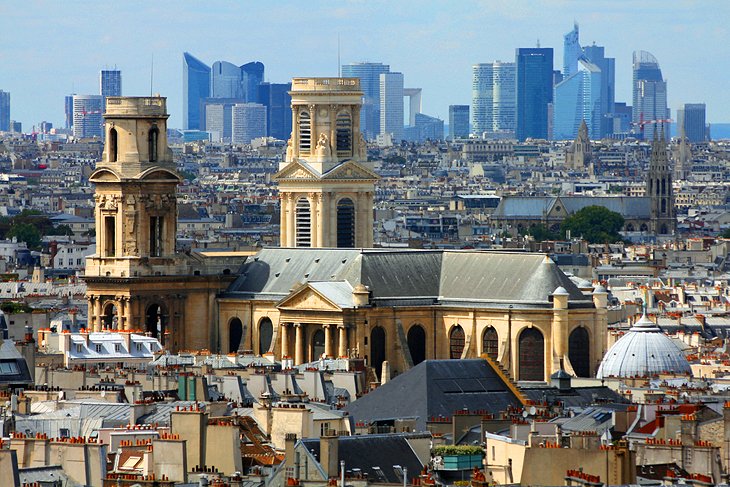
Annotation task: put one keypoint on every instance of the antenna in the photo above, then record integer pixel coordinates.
(538, 43)
(152, 72)
(339, 68)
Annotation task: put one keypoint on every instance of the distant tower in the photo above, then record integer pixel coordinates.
(326, 185)
(579, 155)
(682, 156)
(659, 188)
(4, 111)
(87, 116)
(110, 83)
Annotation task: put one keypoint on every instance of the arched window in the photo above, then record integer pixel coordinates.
(664, 205)
(456, 342)
(579, 352)
(532, 355)
(663, 230)
(317, 344)
(110, 317)
(345, 223)
(630, 227)
(266, 333)
(417, 343)
(153, 136)
(644, 228)
(490, 343)
(305, 133)
(155, 321)
(377, 349)
(113, 145)
(344, 135)
(235, 334)
(304, 223)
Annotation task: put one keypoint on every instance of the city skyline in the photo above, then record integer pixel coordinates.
(432, 35)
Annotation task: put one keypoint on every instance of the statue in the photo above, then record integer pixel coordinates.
(323, 146)
(362, 148)
(289, 151)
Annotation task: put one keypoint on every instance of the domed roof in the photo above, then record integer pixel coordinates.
(644, 351)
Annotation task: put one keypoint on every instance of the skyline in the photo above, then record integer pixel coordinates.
(434, 45)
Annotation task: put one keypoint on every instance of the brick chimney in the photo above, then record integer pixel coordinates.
(328, 453)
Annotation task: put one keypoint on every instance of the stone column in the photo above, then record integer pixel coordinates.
(314, 133)
(368, 216)
(284, 340)
(342, 341)
(327, 341)
(298, 344)
(313, 220)
(319, 198)
(283, 208)
(97, 313)
(90, 307)
(361, 219)
(123, 320)
(291, 229)
(332, 230)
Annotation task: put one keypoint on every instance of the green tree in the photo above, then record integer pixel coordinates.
(725, 234)
(541, 233)
(595, 224)
(63, 230)
(26, 232)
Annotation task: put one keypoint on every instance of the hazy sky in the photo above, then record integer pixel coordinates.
(51, 48)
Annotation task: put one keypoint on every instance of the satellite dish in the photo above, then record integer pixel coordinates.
(533, 411)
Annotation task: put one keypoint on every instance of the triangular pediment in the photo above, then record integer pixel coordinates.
(351, 170)
(307, 299)
(297, 170)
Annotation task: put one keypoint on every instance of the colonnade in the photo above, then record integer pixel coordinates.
(300, 346)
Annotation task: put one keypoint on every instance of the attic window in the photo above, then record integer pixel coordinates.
(277, 274)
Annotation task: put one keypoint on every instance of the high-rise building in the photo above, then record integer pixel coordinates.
(196, 87)
(493, 99)
(252, 75)
(571, 52)
(692, 117)
(216, 121)
(277, 100)
(534, 91)
(110, 83)
(249, 122)
(597, 56)
(425, 127)
(225, 81)
(4, 111)
(482, 97)
(577, 99)
(650, 93)
(458, 122)
(391, 105)
(68, 110)
(88, 110)
(369, 75)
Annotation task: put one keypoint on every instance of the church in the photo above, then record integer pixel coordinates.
(326, 292)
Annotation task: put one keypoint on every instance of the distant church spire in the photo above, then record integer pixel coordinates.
(659, 187)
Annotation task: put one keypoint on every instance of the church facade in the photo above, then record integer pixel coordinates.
(325, 292)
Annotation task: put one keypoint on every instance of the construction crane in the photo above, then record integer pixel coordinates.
(642, 123)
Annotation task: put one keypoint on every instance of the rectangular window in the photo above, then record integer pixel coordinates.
(78, 348)
(138, 346)
(117, 347)
(155, 236)
(98, 348)
(109, 236)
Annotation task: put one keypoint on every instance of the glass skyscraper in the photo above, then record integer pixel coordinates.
(88, 118)
(650, 93)
(482, 98)
(369, 74)
(534, 91)
(596, 55)
(225, 81)
(249, 122)
(578, 98)
(493, 99)
(458, 122)
(692, 117)
(110, 82)
(276, 98)
(571, 52)
(4, 111)
(391, 105)
(252, 75)
(196, 87)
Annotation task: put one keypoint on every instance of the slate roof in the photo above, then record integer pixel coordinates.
(528, 207)
(408, 277)
(435, 388)
(13, 367)
(372, 454)
(575, 397)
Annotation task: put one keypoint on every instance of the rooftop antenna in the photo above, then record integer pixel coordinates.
(538, 43)
(152, 72)
(339, 68)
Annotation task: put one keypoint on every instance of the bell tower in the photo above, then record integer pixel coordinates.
(326, 184)
(659, 188)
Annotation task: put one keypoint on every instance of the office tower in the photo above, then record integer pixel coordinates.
(4, 111)
(493, 99)
(226, 81)
(252, 75)
(45, 127)
(391, 105)
(16, 127)
(428, 128)
(414, 103)
(249, 122)
(577, 99)
(596, 55)
(196, 87)
(87, 116)
(692, 117)
(369, 75)
(482, 98)
(68, 109)
(458, 122)
(650, 93)
(215, 121)
(110, 83)
(571, 52)
(621, 118)
(277, 100)
(534, 91)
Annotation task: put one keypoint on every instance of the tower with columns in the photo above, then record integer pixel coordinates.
(326, 185)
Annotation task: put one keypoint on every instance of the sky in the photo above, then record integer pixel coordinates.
(50, 49)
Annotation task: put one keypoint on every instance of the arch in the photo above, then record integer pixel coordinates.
(663, 230)
(531, 349)
(490, 343)
(644, 227)
(664, 205)
(317, 344)
(266, 334)
(630, 227)
(457, 339)
(152, 139)
(417, 343)
(345, 223)
(156, 321)
(235, 335)
(303, 223)
(377, 349)
(305, 133)
(110, 315)
(344, 134)
(112, 145)
(579, 352)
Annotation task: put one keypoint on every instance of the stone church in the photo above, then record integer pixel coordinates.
(325, 292)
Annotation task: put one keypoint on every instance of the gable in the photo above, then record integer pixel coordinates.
(350, 170)
(307, 299)
(297, 170)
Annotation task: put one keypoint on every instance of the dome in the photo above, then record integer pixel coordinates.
(644, 351)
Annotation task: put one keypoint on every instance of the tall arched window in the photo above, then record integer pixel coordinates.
(153, 136)
(490, 342)
(305, 133)
(377, 349)
(235, 334)
(304, 223)
(456, 342)
(345, 223)
(266, 333)
(532, 355)
(417, 344)
(579, 352)
(113, 145)
(344, 135)
(317, 344)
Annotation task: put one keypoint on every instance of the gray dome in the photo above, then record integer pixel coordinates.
(644, 351)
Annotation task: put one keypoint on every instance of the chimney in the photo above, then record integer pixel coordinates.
(290, 441)
(328, 453)
(385, 372)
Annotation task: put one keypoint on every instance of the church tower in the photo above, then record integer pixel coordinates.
(326, 185)
(659, 188)
(682, 156)
(580, 153)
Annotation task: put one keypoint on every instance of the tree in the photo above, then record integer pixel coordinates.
(63, 230)
(725, 234)
(541, 233)
(26, 232)
(596, 224)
